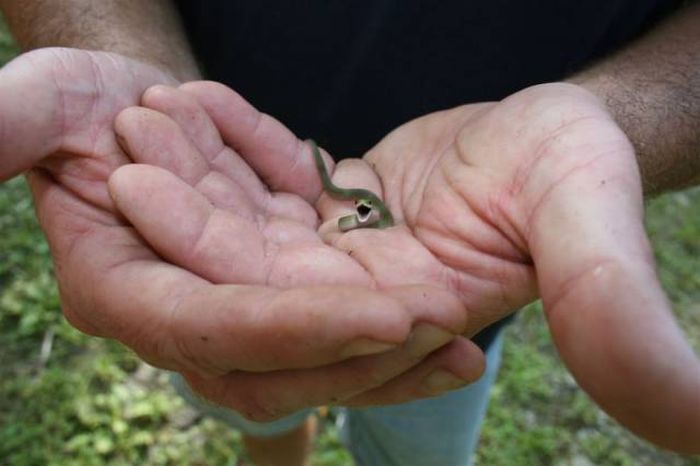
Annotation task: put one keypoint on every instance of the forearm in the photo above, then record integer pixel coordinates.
(149, 31)
(652, 88)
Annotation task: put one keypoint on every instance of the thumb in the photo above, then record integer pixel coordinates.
(61, 99)
(608, 315)
(280, 159)
(31, 118)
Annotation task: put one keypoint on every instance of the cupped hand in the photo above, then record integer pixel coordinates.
(58, 112)
(536, 195)
(196, 201)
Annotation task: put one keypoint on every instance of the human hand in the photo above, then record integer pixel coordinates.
(538, 194)
(487, 198)
(58, 110)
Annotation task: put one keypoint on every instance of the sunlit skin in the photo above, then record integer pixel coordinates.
(58, 110)
(536, 195)
(495, 204)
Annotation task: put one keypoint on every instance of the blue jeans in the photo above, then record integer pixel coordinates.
(435, 431)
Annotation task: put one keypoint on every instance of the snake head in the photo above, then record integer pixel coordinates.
(366, 216)
(364, 209)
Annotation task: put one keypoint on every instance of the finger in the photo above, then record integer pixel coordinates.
(348, 173)
(221, 245)
(613, 326)
(242, 329)
(271, 395)
(335, 320)
(274, 394)
(41, 98)
(110, 284)
(453, 366)
(153, 138)
(29, 106)
(198, 128)
(179, 321)
(184, 109)
(282, 161)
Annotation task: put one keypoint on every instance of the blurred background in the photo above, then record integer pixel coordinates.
(69, 399)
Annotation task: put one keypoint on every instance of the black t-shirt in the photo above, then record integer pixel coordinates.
(348, 72)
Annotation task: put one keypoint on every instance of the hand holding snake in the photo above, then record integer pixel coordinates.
(371, 211)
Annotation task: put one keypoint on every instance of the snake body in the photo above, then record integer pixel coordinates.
(371, 211)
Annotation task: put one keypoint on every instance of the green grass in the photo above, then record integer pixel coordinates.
(94, 403)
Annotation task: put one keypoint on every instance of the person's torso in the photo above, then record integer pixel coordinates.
(346, 73)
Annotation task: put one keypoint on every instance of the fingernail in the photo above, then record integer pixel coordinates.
(441, 380)
(425, 337)
(365, 346)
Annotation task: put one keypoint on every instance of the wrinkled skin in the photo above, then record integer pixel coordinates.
(536, 195)
(260, 344)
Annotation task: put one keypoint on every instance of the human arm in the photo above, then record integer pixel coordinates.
(146, 31)
(652, 88)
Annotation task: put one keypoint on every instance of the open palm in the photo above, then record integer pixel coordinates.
(58, 113)
(536, 195)
(539, 195)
